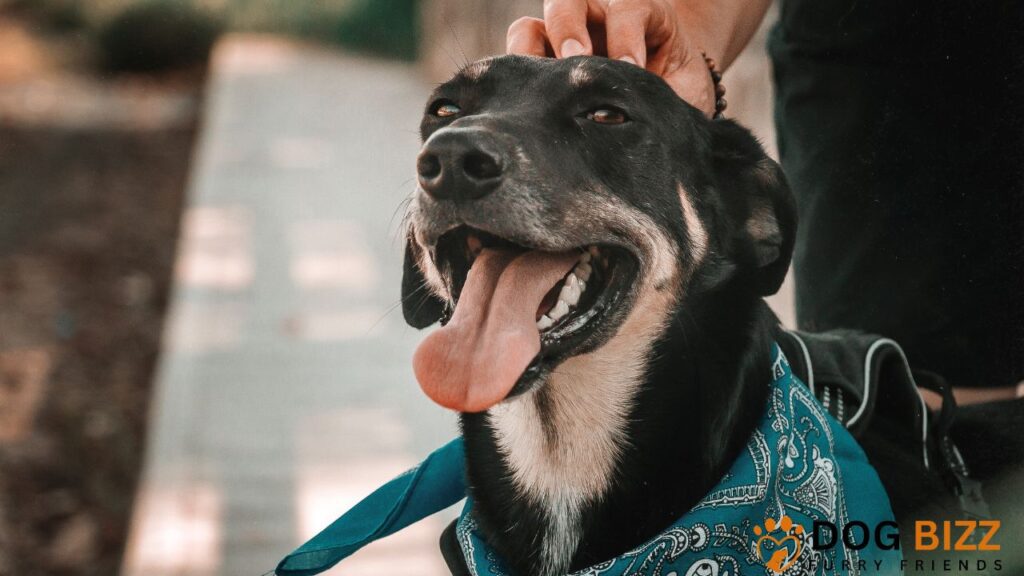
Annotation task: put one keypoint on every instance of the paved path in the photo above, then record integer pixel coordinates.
(285, 391)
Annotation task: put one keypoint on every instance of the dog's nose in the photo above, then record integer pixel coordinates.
(460, 165)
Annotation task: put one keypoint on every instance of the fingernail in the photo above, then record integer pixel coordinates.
(628, 59)
(571, 47)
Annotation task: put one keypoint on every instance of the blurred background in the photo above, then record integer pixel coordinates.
(201, 359)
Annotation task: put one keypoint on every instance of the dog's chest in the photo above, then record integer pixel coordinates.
(562, 443)
(561, 446)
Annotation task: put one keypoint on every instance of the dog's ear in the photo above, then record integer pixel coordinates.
(420, 306)
(760, 204)
(770, 225)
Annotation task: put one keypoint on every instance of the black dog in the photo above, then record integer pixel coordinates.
(661, 231)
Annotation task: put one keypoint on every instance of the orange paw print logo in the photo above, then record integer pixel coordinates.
(781, 550)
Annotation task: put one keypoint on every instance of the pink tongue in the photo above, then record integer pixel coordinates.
(473, 362)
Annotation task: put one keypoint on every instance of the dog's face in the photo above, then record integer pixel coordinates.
(558, 200)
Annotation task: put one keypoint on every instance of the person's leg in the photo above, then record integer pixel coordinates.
(911, 194)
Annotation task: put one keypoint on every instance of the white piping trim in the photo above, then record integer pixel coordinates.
(807, 360)
(867, 391)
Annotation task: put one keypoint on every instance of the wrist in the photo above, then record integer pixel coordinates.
(721, 28)
(703, 31)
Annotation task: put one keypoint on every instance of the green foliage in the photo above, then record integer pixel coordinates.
(141, 35)
(58, 14)
(156, 35)
(386, 27)
(65, 14)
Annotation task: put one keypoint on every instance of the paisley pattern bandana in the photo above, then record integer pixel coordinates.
(799, 466)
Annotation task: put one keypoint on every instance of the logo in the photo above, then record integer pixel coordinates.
(780, 544)
(971, 535)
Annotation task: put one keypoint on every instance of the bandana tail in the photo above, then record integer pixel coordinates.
(434, 485)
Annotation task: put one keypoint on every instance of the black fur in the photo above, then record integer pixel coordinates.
(706, 380)
(420, 306)
(705, 391)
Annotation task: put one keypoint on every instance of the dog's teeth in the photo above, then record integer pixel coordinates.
(582, 271)
(575, 281)
(574, 296)
(570, 291)
(585, 257)
(544, 323)
(594, 251)
(560, 309)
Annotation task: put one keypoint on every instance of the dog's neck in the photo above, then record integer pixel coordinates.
(562, 443)
(621, 441)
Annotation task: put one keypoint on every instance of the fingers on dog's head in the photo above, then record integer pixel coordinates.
(629, 30)
(528, 37)
(566, 25)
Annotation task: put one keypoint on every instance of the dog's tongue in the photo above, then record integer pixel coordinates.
(473, 362)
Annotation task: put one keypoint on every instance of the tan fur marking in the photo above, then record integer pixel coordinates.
(433, 279)
(694, 227)
(762, 225)
(588, 401)
(477, 69)
(579, 76)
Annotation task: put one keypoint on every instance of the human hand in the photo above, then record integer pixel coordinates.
(649, 33)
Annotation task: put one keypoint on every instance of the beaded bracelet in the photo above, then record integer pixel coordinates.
(716, 79)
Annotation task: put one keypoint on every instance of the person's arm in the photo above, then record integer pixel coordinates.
(665, 36)
(727, 25)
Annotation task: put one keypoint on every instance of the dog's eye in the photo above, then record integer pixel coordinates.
(607, 116)
(446, 109)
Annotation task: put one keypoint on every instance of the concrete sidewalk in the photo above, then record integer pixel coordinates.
(285, 392)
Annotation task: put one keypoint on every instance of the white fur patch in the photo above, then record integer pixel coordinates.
(434, 282)
(588, 401)
(694, 228)
(477, 69)
(579, 76)
(610, 212)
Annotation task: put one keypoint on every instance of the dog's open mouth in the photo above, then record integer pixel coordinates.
(518, 311)
(567, 307)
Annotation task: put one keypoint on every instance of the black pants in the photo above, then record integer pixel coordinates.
(901, 130)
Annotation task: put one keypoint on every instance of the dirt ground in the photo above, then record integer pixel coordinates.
(93, 170)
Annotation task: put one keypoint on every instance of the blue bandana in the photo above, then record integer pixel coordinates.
(799, 466)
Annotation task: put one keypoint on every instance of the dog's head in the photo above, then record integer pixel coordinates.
(560, 200)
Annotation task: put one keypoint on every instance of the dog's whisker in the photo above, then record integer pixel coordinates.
(439, 43)
(403, 209)
(458, 43)
(389, 311)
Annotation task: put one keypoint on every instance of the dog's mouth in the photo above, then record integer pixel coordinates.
(518, 312)
(568, 307)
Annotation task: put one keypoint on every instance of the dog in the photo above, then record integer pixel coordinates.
(598, 252)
